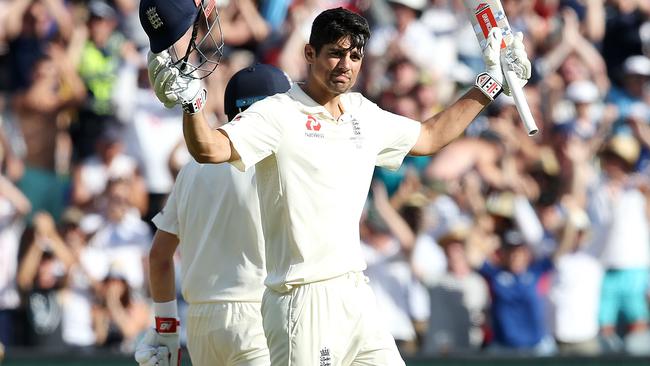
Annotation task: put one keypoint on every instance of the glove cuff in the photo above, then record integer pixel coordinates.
(488, 85)
(195, 105)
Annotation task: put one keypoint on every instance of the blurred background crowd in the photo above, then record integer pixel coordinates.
(500, 243)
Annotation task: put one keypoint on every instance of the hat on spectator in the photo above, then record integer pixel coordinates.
(456, 233)
(582, 91)
(417, 5)
(637, 65)
(501, 204)
(72, 216)
(252, 84)
(101, 9)
(625, 147)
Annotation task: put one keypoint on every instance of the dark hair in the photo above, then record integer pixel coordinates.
(333, 24)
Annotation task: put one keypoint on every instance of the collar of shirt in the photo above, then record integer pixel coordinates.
(309, 106)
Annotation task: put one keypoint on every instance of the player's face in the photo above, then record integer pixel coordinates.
(336, 66)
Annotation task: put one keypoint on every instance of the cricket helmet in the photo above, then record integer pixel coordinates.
(188, 29)
(251, 84)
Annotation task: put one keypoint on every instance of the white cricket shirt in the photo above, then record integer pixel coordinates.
(314, 172)
(214, 211)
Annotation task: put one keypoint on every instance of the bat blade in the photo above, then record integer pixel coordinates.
(485, 15)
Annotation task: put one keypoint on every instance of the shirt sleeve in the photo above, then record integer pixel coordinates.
(254, 134)
(167, 219)
(397, 136)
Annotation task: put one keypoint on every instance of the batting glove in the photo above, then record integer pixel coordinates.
(172, 87)
(491, 81)
(499, 61)
(514, 58)
(160, 346)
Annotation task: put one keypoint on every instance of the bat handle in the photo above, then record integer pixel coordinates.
(520, 102)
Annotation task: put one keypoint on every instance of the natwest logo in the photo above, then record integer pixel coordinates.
(312, 123)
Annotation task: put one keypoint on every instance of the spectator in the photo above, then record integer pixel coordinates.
(30, 27)
(122, 239)
(92, 175)
(407, 37)
(622, 37)
(387, 243)
(575, 291)
(55, 86)
(636, 73)
(103, 54)
(459, 301)
(42, 277)
(517, 307)
(13, 207)
(121, 315)
(618, 206)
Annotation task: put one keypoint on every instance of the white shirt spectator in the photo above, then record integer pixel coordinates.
(119, 247)
(428, 259)
(620, 227)
(575, 295)
(418, 43)
(151, 136)
(396, 288)
(10, 231)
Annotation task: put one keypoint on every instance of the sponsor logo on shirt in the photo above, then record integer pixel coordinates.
(313, 127)
(312, 123)
(325, 357)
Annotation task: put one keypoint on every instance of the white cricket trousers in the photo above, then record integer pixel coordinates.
(328, 323)
(226, 334)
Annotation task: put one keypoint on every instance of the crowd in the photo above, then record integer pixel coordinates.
(501, 243)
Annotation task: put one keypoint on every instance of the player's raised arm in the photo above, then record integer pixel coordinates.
(186, 46)
(447, 125)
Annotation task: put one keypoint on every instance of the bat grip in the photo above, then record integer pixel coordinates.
(520, 102)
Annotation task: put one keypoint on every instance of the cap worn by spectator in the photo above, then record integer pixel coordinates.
(252, 84)
(637, 65)
(583, 91)
(100, 9)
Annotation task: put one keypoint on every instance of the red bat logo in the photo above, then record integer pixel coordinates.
(486, 20)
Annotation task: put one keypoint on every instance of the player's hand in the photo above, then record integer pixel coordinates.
(512, 58)
(158, 348)
(515, 58)
(173, 88)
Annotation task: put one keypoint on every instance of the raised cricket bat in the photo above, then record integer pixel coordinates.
(484, 15)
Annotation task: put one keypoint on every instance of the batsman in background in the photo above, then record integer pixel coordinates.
(314, 149)
(213, 210)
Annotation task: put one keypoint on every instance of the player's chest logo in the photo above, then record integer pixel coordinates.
(355, 134)
(313, 128)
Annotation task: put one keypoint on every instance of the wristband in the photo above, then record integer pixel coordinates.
(197, 103)
(488, 85)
